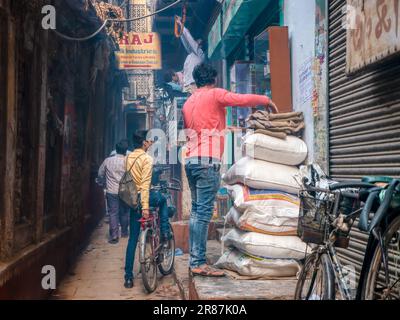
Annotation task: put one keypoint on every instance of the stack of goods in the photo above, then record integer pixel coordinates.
(277, 125)
(264, 189)
(105, 11)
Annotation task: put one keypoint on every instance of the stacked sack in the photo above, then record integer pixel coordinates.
(263, 187)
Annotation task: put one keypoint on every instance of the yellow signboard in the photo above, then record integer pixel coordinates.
(139, 51)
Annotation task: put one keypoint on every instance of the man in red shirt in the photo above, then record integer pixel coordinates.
(204, 118)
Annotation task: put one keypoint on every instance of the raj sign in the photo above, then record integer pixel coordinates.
(373, 32)
(139, 51)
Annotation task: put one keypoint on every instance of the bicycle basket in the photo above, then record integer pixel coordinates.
(314, 218)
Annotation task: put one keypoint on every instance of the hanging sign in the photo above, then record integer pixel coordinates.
(139, 51)
(373, 32)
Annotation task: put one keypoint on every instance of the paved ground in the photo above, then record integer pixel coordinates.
(98, 275)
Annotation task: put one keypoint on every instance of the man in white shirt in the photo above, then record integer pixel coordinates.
(195, 57)
(111, 172)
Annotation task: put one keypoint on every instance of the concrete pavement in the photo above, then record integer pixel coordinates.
(98, 274)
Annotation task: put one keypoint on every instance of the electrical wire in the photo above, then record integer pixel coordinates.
(113, 20)
(197, 17)
(146, 16)
(83, 38)
(123, 4)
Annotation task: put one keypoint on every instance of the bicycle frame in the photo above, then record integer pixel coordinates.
(376, 229)
(337, 267)
(152, 223)
(344, 289)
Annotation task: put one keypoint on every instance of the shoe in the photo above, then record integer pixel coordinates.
(207, 271)
(128, 283)
(124, 234)
(113, 241)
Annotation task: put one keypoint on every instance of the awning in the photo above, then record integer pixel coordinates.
(235, 20)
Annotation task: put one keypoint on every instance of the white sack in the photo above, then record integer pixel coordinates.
(260, 268)
(258, 220)
(266, 246)
(245, 198)
(291, 151)
(260, 174)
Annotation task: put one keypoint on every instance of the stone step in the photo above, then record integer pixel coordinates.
(203, 288)
(181, 267)
(227, 288)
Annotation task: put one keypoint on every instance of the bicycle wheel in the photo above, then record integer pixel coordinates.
(375, 287)
(168, 254)
(148, 264)
(316, 280)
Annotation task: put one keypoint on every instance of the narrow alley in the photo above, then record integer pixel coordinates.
(98, 274)
(233, 150)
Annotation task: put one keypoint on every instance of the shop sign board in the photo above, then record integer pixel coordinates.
(139, 51)
(373, 32)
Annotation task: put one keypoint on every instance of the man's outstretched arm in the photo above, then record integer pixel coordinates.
(230, 99)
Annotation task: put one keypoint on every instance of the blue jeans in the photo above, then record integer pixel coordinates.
(156, 200)
(204, 182)
(118, 213)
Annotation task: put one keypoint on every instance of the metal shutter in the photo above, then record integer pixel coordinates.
(364, 121)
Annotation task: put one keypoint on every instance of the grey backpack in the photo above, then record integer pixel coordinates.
(128, 191)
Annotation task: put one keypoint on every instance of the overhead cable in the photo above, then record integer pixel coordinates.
(113, 20)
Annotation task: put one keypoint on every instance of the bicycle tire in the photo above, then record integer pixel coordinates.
(328, 280)
(148, 264)
(373, 269)
(167, 270)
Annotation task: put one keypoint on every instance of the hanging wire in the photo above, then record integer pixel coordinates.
(197, 17)
(114, 20)
(123, 4)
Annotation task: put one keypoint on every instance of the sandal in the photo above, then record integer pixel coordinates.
(207, 271)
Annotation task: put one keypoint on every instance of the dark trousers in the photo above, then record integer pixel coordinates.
(156, 200)
(119, 214)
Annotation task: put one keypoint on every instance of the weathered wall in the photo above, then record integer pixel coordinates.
(299, 16)
(53, 108)
(307, 24)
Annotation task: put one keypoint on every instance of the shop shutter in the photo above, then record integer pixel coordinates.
(364, 121)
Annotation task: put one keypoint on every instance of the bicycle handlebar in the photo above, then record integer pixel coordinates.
(382, 210)
(346, 185)
(338, 186)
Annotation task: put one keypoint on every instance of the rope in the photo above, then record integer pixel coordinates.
(223, 235)
(113, 20)
(178, 32)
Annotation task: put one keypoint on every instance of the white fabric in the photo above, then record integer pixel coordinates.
(195, 57)
(257, 267)
(111, 172)
(263, 221)
(291, 151)
(260, 174)
(245, 198)
(266, 246)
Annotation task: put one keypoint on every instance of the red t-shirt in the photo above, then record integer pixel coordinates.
(204, 118)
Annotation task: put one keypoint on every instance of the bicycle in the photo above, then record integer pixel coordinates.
(326, 218)
(153, 253)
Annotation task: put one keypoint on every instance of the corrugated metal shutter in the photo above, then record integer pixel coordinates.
(364, 118)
